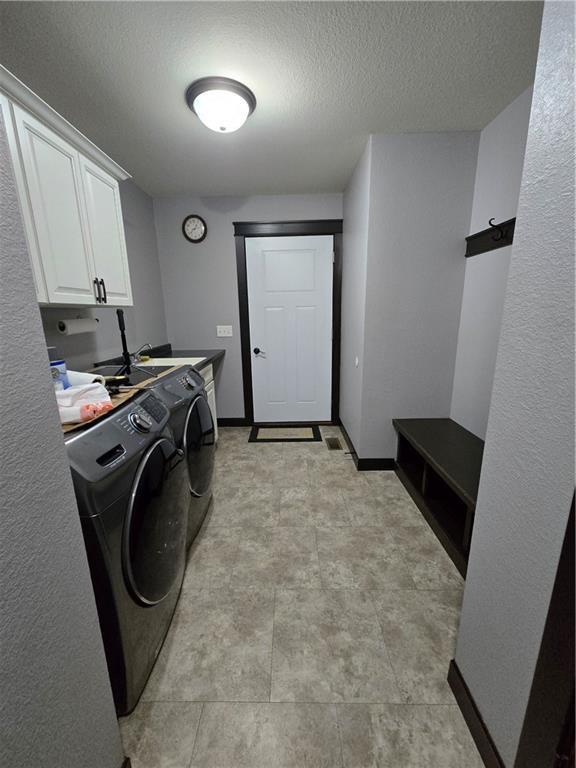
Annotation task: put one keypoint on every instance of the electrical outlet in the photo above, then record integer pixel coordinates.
(223, 330)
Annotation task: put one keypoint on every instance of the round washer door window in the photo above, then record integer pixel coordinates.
(155, 528)
(199, 446)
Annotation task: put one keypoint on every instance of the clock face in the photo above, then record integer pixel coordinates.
(194, 228)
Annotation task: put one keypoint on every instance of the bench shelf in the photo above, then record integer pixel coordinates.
(439, 463)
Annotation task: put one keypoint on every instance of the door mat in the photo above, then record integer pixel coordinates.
(286, 434)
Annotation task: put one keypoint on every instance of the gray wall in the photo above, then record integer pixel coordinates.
(528, 471)
(56, 707)
(420, 199)
(355, 259)
(145, 321)
(199, 281)
(496, 190)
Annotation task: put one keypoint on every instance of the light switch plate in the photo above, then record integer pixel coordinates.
(223, 330)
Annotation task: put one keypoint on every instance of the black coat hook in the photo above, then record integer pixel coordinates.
(499, 232)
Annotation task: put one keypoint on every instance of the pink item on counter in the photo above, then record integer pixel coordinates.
(75, 414)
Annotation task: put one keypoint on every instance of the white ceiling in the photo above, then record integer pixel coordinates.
(325, 76)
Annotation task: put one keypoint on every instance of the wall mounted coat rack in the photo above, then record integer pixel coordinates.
(496, 236)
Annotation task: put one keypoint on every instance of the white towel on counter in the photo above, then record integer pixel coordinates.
(82, 402)
(78, 377)
(83, 393)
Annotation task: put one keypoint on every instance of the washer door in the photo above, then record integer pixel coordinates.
(199, 446)
(154, 545)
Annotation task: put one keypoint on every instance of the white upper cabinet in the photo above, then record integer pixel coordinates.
(37, 271)
(52, 174)
(70, 203)
(106, 232)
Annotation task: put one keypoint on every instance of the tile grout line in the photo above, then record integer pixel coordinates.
(196, 735)
(337, 708)
(322, 584)
(392, 667)
(272, 646)
(324, 703)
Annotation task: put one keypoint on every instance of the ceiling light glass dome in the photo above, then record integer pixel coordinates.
(222, 104)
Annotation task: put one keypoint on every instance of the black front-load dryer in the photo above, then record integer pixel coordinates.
(131, 483)
(182, 391)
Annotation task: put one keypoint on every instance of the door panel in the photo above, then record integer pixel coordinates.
(276, 346)
(280, 274)
(306, 319)
(107, 232)
(52, 171)
(290, 308)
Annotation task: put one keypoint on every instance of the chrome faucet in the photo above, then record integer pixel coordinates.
(136, 356)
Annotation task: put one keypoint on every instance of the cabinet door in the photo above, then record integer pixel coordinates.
(52, 177)
(37, 271)
(211, 397)
(106, 232)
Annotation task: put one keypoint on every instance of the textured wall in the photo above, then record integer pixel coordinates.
(56, 708)
(145, 321)
(355, 257)
(496, 190)
(199, 281)
(528, 472)
(421, 191)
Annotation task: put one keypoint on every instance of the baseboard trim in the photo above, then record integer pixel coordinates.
(365, 465)
(349, 443)
(473, 718)
(369, 465)
(289, 424)
(238, 422)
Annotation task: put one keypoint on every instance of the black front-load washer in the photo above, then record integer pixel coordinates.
(131, 484)
(182, 391)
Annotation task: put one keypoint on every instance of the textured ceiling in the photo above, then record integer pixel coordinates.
(325, 76)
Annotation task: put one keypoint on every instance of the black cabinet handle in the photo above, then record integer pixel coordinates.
(97, 293)
(256, 350)
(105, 299)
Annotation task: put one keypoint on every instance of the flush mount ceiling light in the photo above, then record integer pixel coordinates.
(222, 104)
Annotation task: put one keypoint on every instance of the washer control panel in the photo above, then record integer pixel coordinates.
(113, 441)
(134, 421)
(140, 422)
(154, 408)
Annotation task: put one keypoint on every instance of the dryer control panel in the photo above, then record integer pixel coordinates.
(178, 388)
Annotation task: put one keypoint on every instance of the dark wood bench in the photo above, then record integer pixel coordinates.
(439, 463)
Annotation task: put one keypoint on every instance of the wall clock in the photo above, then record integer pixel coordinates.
(194, 228)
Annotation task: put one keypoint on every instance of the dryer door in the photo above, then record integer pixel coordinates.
(199, 446)
(154, 540)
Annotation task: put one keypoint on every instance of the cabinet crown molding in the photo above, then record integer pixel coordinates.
(19, 93)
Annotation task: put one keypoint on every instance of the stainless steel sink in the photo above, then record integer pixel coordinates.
(136, 376)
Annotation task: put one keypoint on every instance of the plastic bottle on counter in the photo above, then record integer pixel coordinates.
(59, 375)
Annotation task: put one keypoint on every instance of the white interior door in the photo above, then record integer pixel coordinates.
(290, 306)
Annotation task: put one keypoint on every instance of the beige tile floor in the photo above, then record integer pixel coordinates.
(316, 622)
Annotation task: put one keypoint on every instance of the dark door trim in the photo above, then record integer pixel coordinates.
(288, 228)
(547, 736)
(244, 229)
